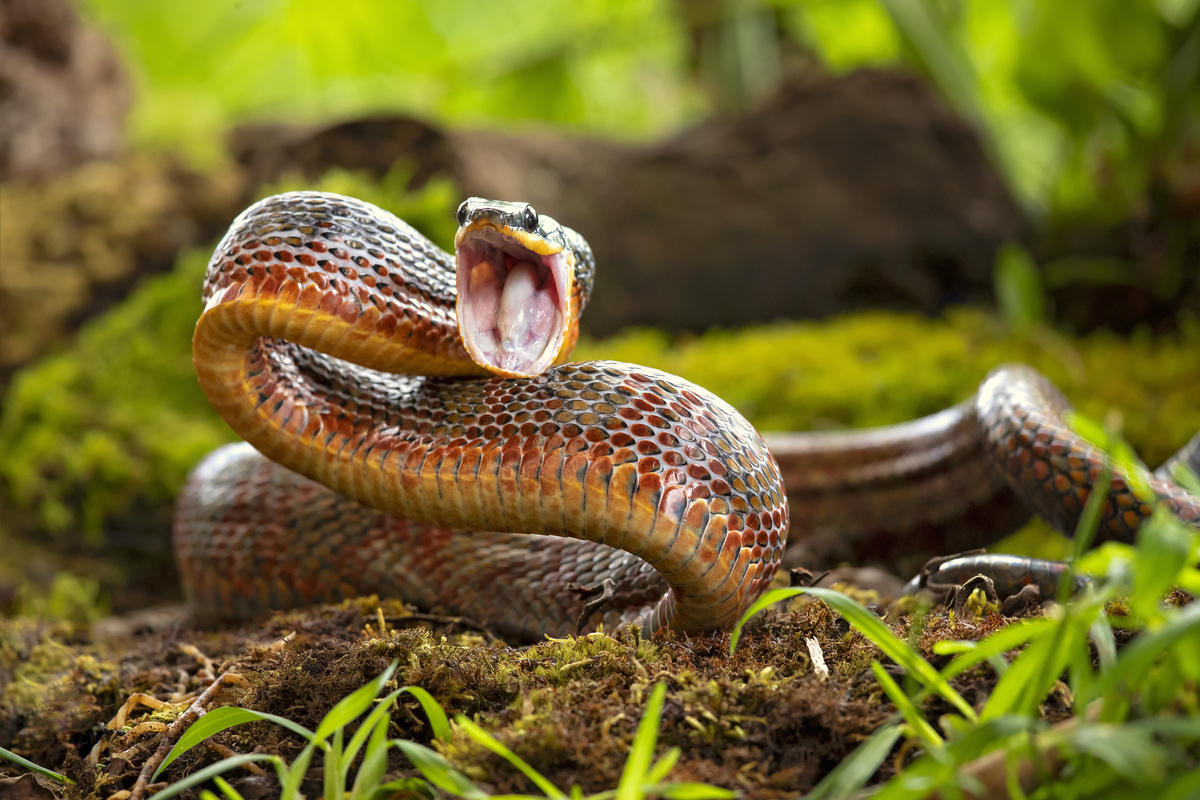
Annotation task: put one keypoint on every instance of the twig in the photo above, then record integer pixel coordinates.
(193, 713)
(225, 752)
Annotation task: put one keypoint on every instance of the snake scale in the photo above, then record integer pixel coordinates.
(389, 452)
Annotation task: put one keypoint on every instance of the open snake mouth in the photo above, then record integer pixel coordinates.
(512, 301)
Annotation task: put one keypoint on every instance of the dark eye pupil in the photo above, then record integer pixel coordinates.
(461, 214)
(531, 219)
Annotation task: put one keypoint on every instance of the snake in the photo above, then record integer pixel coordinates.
(413, 428)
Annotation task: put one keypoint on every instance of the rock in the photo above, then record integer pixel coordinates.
(63, 91)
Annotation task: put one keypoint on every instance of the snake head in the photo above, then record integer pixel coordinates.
(519, 296)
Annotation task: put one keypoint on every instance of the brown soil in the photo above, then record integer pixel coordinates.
(762, 720)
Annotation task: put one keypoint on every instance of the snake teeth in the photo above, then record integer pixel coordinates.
(485, 296)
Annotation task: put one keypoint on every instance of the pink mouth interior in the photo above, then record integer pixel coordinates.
(510, 303)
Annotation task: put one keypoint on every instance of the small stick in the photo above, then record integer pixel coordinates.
(193, 713)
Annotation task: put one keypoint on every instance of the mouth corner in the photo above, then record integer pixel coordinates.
(512, 303)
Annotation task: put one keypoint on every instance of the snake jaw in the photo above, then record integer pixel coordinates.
(513, 299)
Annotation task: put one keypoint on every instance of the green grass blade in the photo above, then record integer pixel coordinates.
(437, 717)
(857, 768)
(218, 720)
(996, 644)
(334, 780)
(224, 765)
(1163, 547)
(437, 720)
(438, 771)
(405, 788)
(1031, 675)
(689, 791)
(374, 763)
(946, 62)
(910, 712)
(662, 768)
(1128, 750)
(682, 790)
(874, 629)
(484, 738)
(9, 755)
(637, 765)
(1137, 657)
(353, 705)
(1185, 787)
(767, 600)
(1186, 477)
(1020, 290)
(227, 790)
(1087, 527)
(369, 727)
(1102, 639)
(297, 771)
(934, 770)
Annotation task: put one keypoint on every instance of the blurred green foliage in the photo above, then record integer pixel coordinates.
(1020, 293)
(613, 66)
(1085, 104)
(69, 598)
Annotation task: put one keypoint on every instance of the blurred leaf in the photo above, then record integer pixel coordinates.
(853, 772)
(1130, 751)
(1163, 547)
(1020, 294)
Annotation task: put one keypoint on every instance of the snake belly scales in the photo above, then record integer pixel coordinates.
(393, 454)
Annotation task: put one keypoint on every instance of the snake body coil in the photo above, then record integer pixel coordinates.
(611, 453)
(330, 341)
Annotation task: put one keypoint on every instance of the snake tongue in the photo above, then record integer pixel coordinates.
(509, 315)
(523, 318)
(514, 318)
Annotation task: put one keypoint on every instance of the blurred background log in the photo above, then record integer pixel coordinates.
(63, 90)
(835, 194)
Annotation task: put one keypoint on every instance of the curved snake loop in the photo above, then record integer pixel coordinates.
(329, 341)
(314, 300)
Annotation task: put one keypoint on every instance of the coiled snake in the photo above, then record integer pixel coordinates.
(330, 341)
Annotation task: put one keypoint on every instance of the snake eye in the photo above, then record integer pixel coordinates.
(461, 214)
(530, 219)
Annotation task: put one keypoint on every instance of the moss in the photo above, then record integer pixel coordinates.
(71, 598)
(119, 417)
(51, 688)
(87, 234)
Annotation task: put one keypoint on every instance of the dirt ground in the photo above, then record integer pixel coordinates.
(765, 720)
